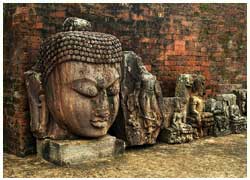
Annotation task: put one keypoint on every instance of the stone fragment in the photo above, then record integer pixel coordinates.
(228, 117)
(175, 129)
(241, 101)
(169, 108)
(183, 85)
(75, 152)
(173, 136)
(141, 103)
(238, 123)
(192, 88)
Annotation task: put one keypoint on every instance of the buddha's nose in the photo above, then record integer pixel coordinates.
(103, 113)
(102, 109)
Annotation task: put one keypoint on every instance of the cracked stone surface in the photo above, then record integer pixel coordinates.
(208, 157)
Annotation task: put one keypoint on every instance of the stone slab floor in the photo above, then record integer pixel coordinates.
(208, 157)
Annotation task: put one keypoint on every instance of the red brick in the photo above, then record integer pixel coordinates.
(205, 63)
(59, 14)
(179, 46)
(170, 63)
(38, 25)
(137, 17)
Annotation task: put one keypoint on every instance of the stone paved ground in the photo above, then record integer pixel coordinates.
(209, 157)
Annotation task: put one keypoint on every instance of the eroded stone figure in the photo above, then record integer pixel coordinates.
(179, 131)
(148, 100)
(237, 121)
(241, 100)
(74, 87)
(221, 115)
(141, 103)
(179, 118)
(184, 85)
(198, 118)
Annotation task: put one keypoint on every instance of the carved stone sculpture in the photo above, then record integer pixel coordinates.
(169, 104)
(192, 87)
(238, 122)
(203, 121)
(141, 103)
(221, 114)
(241, 101)
(74, 88)
(179, 131)
(184, 85)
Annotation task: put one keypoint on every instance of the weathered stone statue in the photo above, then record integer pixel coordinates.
(221, 115)
(74, 88)
(178, 131)
(141, 103)
(241, 101)
(179, 118)
(184, 85)
(238, 122)
(192, 88)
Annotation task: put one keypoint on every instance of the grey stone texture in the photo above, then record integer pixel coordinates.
(141, 103)
(75, 152)
(241, 101)
(175, 130)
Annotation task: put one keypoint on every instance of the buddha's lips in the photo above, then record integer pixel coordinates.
(99, 122)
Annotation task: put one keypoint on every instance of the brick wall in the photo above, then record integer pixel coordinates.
(171, 39)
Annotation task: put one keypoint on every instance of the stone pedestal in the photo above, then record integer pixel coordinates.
(238, 126)
(221, 126)
(173, 136)
(74, 152)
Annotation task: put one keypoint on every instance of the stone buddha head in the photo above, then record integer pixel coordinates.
(198, 86)
(80, 77)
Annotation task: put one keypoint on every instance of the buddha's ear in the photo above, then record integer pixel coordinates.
(37, 103)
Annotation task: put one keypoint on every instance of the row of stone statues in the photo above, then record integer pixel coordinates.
(199, 118)
(84, 86)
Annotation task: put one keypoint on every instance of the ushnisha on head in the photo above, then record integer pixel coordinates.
(81, 78)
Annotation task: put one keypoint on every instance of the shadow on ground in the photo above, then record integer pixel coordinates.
(209, 157)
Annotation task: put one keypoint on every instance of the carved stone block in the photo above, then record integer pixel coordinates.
(141, 102)
(241, 101)
(228, 118)
(220, 109)
(174, 136)
(175, 129)
(169, 108)
(74, 152)
(192, 88)
(207, 126)
(228, 99)
(183, 85)
(238, 127)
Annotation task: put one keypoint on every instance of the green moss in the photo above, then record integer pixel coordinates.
(204, 7)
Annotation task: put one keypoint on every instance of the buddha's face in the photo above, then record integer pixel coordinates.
(199, 86)
(83, 97)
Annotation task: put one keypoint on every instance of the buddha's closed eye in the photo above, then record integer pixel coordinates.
(89, 88)
(86, 88)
